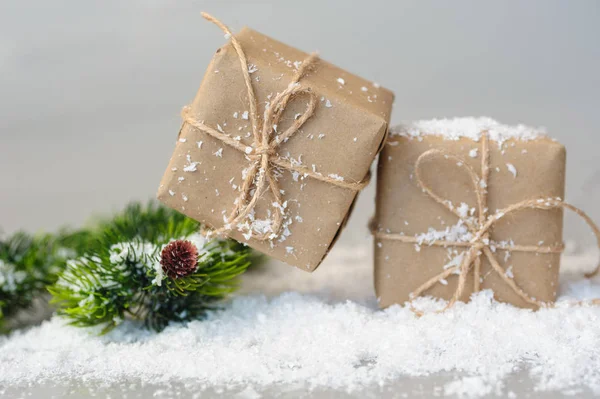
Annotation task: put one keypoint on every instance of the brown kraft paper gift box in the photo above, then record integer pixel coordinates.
(339, 141)
(522, 166)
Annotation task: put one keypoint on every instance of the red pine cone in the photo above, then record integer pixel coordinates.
(179, 259)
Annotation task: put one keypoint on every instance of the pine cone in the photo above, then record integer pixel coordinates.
(179, 259)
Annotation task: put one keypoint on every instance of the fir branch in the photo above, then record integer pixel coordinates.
(30, 264)
(27, 265)
(127, 279)
(151, 222)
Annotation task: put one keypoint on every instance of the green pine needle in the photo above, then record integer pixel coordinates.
(151, 222)
(92, 286)
(27, 265)
(122, 276)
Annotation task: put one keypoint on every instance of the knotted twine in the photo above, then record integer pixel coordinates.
(262, 154)
(480, 228)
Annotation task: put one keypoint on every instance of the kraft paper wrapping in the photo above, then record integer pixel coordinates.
(403, 208)
(341, 139)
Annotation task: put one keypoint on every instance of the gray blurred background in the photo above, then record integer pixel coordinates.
(90, 91)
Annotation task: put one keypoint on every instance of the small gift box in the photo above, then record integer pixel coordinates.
(465, 205)
(275, 147)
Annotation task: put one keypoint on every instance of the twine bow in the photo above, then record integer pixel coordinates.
(480, 245)
(263, 152)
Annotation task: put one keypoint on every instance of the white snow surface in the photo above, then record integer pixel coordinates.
(323, 342)
(466, 127)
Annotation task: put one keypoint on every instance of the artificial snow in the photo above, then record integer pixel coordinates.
(296, 338)
(511, 168)
(316, 340)
(456, 233)
(468, 127)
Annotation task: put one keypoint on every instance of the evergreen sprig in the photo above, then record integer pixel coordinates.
(27, 265)
(123, 276)
(150, 222)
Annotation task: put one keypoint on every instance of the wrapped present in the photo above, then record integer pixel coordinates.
(275, 147)
(469, 204)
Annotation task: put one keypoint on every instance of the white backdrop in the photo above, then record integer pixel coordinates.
(90, 92)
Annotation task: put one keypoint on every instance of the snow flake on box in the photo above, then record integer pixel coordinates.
(511, 168)
(191, 166)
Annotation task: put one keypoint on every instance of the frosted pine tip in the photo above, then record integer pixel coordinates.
(179, 259)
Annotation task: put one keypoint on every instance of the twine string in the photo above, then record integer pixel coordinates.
(480, 244)
(262, 154)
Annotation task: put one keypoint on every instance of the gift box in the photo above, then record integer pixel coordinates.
(275, 147)
(465, 205)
